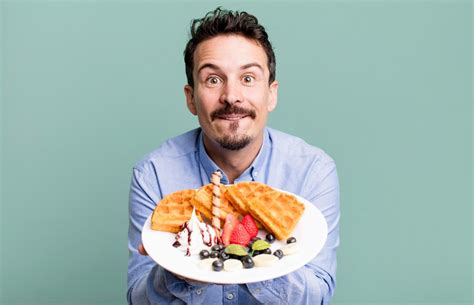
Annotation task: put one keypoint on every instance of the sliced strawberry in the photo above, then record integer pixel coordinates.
(240, 236)
(249, 224)
(230, 222)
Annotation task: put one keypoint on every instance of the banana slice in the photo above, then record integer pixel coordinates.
(264, 260)
(232, 265)
(206, 264)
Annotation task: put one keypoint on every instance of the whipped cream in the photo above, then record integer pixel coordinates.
(194, 235)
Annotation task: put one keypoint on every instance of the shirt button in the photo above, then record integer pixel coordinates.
(230, 296)
(257, 290)
(199, 291)
(255, 173)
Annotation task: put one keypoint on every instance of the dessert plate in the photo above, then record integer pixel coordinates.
(310, 232)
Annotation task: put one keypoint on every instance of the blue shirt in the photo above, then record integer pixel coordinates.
(284, 162)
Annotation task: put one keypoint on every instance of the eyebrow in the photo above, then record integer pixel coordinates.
(250, 65)
(208, 65)
(246, 66)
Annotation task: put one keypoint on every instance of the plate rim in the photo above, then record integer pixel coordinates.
(226, 278)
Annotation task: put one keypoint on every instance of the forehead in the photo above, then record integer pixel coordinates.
(229, 52)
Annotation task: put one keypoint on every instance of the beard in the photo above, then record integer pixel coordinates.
(233, 141)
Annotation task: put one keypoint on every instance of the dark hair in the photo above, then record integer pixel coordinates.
(220, 22)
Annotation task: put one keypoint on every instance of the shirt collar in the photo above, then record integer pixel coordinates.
(253, 170)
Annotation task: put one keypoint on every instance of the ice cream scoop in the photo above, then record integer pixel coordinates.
(195, 235)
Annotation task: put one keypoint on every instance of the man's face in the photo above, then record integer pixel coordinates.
(231, 94)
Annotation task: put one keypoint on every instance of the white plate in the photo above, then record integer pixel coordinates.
(311, 233)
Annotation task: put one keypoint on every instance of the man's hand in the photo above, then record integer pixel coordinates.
(142, 251)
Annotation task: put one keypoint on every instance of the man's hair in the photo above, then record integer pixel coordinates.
(222, 22)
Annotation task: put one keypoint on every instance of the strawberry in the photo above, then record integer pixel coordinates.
(249, 224)
(230, 222)
(240, 236)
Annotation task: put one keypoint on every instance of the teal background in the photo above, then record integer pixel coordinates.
(88, 88)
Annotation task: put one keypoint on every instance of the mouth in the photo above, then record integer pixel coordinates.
(232, 117)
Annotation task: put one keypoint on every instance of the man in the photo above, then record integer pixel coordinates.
(230, 68)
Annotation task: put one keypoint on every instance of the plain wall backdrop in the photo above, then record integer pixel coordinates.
(89, 87)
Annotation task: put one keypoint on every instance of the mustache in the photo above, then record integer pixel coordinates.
(232, 109)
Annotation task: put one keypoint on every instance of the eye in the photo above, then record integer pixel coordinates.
(213, 80)
(248, 79)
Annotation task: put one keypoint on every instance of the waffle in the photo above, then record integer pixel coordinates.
(202, 201)
(278, 212)
(172, 211)
(241, 193)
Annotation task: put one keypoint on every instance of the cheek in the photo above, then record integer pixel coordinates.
(207, 99)
(204, 110)
(261, 103)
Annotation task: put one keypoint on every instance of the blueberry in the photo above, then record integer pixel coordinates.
(291, 240)
(217, 265)
(254, 239)
(247, 262)
(214, 254)
(216, 247)
(224, 256)
(267, 251)
(204, 254)
(278, 253)
(270, 238)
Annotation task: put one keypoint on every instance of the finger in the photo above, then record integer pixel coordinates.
(142, 250)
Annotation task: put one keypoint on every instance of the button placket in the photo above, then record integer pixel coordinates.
(230, 294)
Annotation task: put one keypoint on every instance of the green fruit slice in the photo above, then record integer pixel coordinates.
(260, 245)
(235, 250)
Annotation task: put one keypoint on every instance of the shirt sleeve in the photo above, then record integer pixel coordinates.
(315, 282)
(149, 283)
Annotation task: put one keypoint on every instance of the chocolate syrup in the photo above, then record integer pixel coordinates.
(208, 243)
(185, 227)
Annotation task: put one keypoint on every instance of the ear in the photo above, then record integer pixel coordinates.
(189, 93)
(273, 96)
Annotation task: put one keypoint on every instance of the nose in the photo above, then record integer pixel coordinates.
(230, 94)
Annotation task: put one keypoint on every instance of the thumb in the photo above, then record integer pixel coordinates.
(141, 249)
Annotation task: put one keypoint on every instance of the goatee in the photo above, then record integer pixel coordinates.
(234, 142)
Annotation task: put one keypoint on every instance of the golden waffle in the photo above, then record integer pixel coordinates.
(241, 193)
(202, 201)
(278, 212)
(172, 211)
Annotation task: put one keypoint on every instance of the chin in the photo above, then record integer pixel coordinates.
(234, 142)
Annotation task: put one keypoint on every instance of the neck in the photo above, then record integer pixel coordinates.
(233, 162)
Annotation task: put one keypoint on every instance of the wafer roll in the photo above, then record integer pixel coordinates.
(216, 201)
